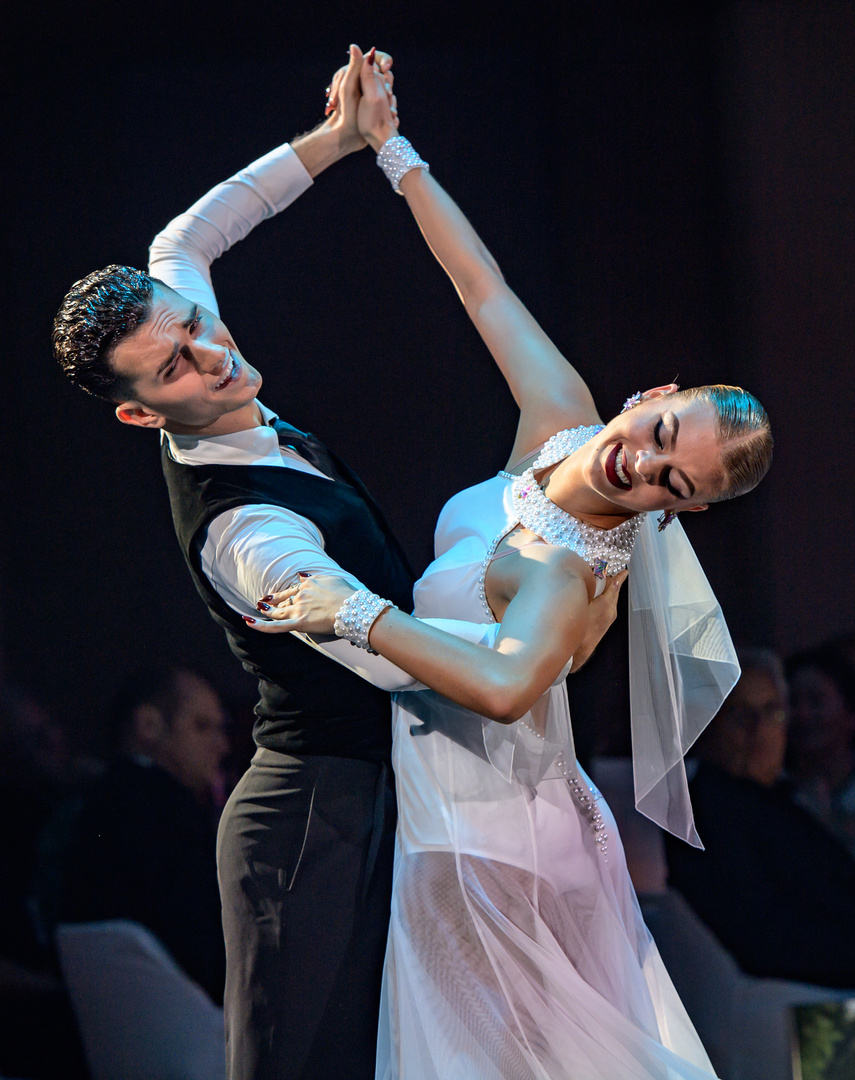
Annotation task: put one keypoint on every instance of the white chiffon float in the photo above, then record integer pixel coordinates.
(516, 947)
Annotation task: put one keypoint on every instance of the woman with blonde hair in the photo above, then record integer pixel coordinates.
(516, 947)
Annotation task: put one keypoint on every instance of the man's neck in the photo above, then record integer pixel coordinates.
(243, 419)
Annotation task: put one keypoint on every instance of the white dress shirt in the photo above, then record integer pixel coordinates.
(258, 549)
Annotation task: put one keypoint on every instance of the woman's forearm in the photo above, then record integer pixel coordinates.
(550, 392)
(541, 628)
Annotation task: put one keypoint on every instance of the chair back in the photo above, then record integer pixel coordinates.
(140, 1016)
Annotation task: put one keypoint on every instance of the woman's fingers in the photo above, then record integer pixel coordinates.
(266, 627)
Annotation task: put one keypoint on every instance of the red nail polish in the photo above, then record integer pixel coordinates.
(246, 618)
(371, 54)
(303, 574)
(262, 606)
(268, 597)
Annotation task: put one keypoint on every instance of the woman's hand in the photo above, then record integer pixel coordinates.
(309, 606)
(601, 614)
(377, 115)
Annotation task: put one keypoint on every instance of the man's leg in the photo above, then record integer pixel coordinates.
(305, 860)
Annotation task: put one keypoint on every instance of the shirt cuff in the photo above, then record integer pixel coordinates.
(281, 176)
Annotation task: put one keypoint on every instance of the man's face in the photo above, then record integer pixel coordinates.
(192, 747)
(187, 374)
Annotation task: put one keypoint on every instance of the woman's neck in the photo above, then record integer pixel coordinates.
(564, 484)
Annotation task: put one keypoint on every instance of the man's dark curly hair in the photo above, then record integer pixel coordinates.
(97, 313)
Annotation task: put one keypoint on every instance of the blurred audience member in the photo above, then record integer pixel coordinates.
(773, 885)
(821, 749)
(143, 843)
(34, 773)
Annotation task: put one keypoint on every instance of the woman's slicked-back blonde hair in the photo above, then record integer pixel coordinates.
(743, 426)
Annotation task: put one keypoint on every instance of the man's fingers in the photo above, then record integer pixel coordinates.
(333, 91)
(352, 72)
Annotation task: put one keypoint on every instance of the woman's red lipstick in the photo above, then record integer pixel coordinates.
(611, 470)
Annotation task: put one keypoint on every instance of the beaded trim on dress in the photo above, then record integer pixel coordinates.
(607, 551)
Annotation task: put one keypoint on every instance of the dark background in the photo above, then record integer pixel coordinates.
(669, 186)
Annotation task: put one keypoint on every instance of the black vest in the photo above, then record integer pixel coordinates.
(308, 703)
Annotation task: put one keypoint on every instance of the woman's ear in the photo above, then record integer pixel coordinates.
(660, 391)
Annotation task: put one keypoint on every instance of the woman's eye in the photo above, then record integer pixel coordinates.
(657, 435)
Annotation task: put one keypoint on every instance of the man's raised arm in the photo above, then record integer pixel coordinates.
(181, 254)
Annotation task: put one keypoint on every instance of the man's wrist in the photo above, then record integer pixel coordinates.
(325, 144)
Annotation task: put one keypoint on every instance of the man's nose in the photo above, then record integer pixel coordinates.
(211, 358)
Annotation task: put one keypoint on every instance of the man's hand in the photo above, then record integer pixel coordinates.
(601, 615)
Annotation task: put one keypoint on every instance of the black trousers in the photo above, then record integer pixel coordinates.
(305, 853)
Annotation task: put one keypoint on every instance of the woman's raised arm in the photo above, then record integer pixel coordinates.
(549, 391)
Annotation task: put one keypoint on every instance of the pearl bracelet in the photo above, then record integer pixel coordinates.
(397, 158)
(357, 615)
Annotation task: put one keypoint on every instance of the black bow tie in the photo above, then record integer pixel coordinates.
(309, 447)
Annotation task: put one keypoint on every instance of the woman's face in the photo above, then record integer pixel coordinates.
(664, 454)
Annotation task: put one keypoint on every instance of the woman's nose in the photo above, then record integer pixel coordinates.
(643, 465)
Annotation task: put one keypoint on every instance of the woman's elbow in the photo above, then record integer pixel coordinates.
(505, 701)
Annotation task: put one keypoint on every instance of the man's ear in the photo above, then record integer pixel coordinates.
(661, 391)
(132, 412)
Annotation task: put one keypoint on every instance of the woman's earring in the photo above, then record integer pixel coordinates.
(666, 518)
(631, 402)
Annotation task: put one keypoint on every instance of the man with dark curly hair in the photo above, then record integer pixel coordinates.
(305, 842)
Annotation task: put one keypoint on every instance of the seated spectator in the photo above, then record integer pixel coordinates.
(36, 772)
(773, 885)
(143, 843)
(821, 749)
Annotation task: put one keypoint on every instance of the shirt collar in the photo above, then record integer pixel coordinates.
(251, 446)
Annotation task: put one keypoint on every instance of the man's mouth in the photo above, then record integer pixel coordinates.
(231, 372)
(617, 470)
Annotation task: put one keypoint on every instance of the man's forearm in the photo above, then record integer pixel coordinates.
(324, 145)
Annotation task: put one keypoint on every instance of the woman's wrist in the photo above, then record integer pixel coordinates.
(356, 616)
(378, 137)
(396, 158)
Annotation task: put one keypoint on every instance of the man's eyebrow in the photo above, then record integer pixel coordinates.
(194, 311)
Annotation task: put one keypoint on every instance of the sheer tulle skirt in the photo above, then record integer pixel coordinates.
(516, 949)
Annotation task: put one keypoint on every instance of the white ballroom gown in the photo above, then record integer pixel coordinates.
(516, 945)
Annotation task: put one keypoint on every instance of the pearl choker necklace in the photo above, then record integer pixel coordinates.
(607, 551)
